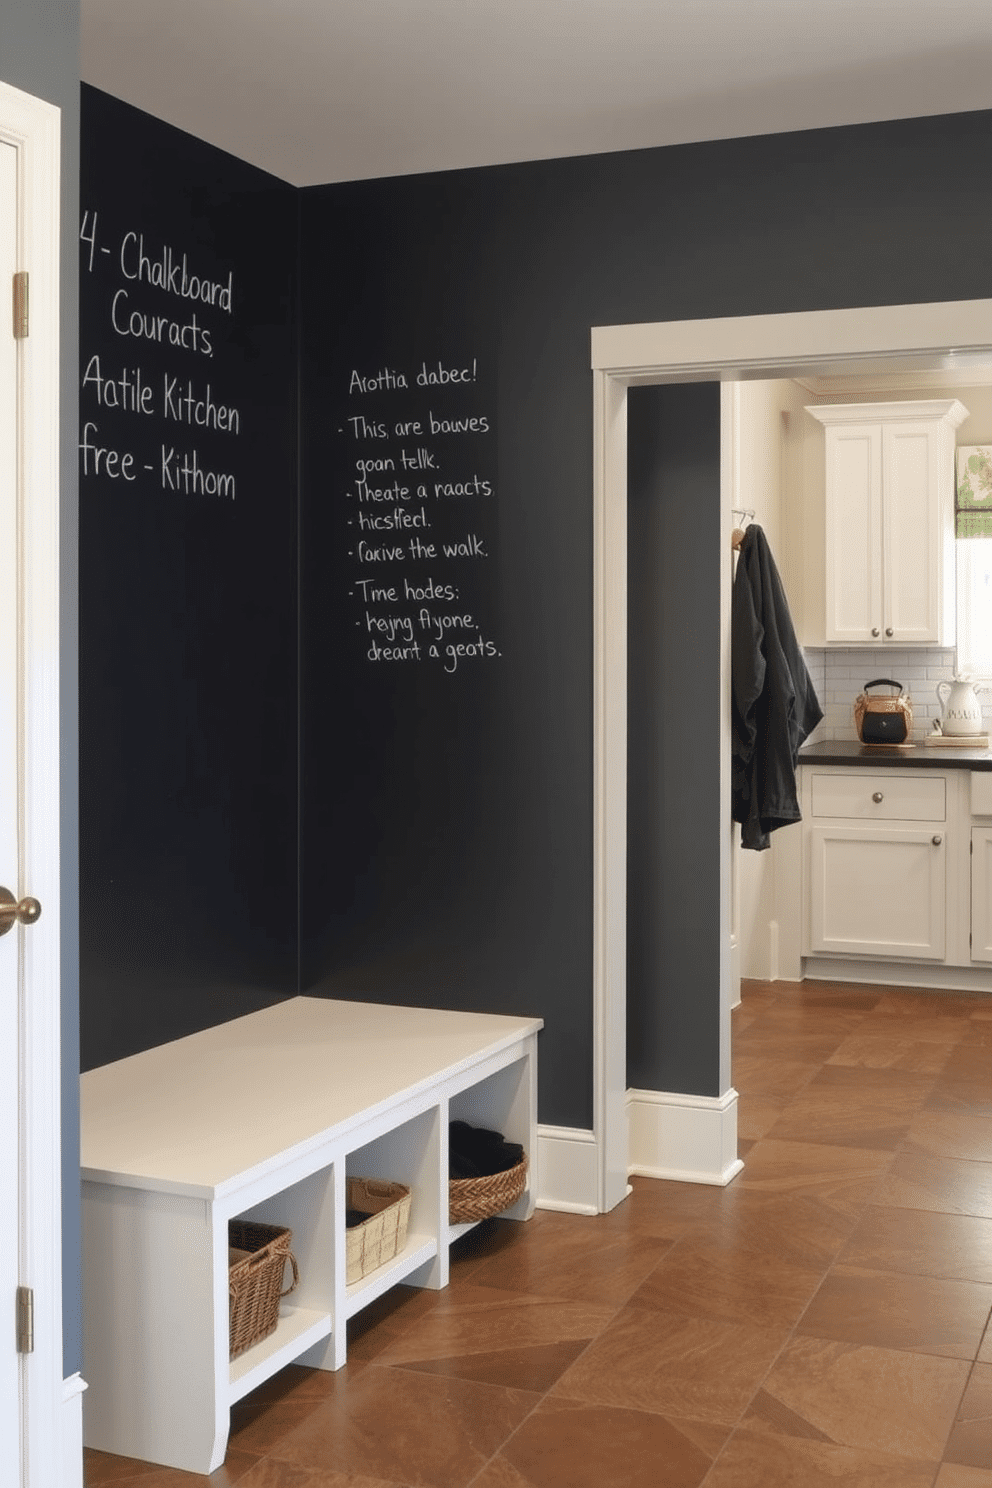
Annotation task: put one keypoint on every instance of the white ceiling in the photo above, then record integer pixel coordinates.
(333, 90)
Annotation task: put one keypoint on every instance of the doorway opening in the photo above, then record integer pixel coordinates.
(945, 336)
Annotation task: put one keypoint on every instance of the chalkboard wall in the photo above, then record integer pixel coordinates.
(447, 819)
(445, 446)
(188, 606)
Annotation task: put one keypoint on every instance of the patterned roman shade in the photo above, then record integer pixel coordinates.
(973, 503)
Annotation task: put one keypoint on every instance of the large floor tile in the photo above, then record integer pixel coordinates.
(921, 1314)
(272, 1474)
(596, 1263)
(406, 1427)
(741, 1284)
(856, 1395)
(841, 1178)
(883, 1051)
(951, 1134)
(664, 1209)
(921, 1027)
(754, 1459)
(108, 1470)
(952, 1476)
(387, 1318)
(828, 995)
(970, 1441)
(758, 1072)
(756, 1114)
(915, 1003)
(950, 1185)
(965, 1083)
(516, 1341)
(567, 1442)
(767, 1038)
(956, 1246)
(851, 1107)
(702, 1369)
(798, 1229)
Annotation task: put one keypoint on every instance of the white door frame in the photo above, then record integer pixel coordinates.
(32, 127)
(949, 334)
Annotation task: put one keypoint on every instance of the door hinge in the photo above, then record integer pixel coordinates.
(25, 1320)
(20, 305)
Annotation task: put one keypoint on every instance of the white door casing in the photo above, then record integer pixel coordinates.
(29, 815)
(10, 1123)
(857, 341)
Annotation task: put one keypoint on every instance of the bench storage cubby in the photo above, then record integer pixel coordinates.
(339, 1090)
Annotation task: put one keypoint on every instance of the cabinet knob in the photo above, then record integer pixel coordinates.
(874, 630)
(937, 840)
(877, 797)
(889, 631)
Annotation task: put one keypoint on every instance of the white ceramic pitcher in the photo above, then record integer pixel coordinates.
(962, 707)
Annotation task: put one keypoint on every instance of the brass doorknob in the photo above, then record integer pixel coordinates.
(24, 911)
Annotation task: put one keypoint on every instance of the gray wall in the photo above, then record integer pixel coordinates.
(39, 52)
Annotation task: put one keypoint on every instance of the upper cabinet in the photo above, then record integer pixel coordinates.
(888, 523)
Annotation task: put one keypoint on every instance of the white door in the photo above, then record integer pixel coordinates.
(32, 1413)
(10, 1123)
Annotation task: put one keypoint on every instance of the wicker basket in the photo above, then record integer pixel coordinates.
(472, 1199)
(377, 1239)
(255, 1283)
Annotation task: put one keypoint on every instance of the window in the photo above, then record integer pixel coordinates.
(974, 607)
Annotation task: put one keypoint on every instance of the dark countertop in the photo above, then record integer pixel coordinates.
(886, 756)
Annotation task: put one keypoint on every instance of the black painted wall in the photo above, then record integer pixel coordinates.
(446, 829)
(188, 606)
(445, 821)
(673, 753)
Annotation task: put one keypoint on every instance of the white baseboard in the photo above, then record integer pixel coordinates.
(920, 975)
(72, 1432)
(688, 1138)
(567, 1169)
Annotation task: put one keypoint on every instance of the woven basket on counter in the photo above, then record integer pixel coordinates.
(473, 1199)
(255, 1280)
(383, 1235)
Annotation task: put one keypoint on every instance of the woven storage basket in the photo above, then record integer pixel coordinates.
(255, 1283)
(472, 1199)
(377, 1239)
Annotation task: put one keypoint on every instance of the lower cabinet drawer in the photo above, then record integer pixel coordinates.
(886, 796)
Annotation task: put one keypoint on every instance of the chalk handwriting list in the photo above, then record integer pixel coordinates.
(419, 512)
(147, 392)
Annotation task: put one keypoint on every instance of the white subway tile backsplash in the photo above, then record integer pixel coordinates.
(840, 674)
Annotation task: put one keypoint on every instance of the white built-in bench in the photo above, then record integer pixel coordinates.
(264, 1117)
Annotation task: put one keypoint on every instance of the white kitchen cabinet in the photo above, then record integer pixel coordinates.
(877, 856)
(888, 522)
(888, 889)
(981, 894)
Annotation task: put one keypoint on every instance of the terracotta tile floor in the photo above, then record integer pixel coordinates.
(826, 1319)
